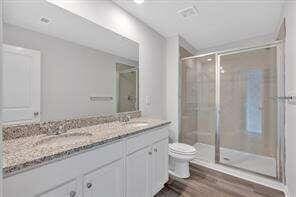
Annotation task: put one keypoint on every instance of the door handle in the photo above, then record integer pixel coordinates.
(284, 97)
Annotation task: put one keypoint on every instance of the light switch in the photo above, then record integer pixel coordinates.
(148, 100)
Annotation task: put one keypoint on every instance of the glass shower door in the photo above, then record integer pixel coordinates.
(248, 115)
(198, 110)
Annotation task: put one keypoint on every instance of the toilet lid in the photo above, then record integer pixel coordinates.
(182, 148)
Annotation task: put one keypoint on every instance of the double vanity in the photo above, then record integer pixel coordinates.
(70, 109)
(113, 159)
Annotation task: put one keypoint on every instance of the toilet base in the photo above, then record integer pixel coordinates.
(179, 168)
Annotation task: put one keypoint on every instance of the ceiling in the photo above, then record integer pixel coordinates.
(67, 26)
(217, 22)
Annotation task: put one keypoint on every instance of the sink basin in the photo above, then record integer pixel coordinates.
(137, 124)
(63, 139)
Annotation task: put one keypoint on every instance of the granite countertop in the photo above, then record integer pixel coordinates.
(28, 152)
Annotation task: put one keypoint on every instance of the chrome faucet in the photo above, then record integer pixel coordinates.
(125, 118)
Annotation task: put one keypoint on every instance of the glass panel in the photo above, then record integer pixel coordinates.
(248, 116)
(253, 101)
(198, 105)
(126, 88)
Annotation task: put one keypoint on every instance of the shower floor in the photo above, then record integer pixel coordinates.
(256, 163)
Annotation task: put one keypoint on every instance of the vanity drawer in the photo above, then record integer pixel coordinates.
(143, 140)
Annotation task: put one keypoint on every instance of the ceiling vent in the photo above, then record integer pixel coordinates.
(45, 20)
(188, 12)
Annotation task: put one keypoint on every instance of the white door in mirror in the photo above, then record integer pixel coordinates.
(21, 84)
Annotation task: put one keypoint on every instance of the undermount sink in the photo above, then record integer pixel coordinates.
(62, 139)
(137, 124)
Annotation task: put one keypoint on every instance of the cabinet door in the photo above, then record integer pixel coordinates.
(159, 165)
(138, 166)
(107, 181)
(66, 190)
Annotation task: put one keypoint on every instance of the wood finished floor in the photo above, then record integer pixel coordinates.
(208, 184)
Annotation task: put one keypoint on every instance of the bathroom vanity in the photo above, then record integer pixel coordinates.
(131, 161)
(70, 109)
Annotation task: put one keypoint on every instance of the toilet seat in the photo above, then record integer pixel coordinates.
(180, 155)
(182, 149)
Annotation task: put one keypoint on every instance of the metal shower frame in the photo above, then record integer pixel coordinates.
(280, 155)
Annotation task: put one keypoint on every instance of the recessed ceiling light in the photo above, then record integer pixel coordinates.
(45, 20)
(188, 12)
(139, 1)
(209, 59)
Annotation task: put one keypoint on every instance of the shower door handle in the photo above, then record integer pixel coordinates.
(289, 99)
(283, 97)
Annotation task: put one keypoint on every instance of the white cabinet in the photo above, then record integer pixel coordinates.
(147, 168)
(136, 166)
(138, 173)
(159, 165)
(57, 179)
(65, 190)
(107, 181)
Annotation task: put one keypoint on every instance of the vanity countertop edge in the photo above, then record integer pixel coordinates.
(10, 170)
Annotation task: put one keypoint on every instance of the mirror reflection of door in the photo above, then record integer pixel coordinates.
(21, 85)
(127, 90)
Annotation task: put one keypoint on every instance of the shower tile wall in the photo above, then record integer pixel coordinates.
(234, 82)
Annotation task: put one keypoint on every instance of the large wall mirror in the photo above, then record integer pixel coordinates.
(58, 65)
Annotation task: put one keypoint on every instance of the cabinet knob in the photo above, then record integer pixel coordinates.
(72, 193)
(155, 150)
(150, 153)
(88, 185)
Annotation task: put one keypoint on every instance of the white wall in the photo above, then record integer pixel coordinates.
(71, 73)
(172, 85)
(290, 15)
(151, 52)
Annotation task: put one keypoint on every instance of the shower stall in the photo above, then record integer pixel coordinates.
(232, 109)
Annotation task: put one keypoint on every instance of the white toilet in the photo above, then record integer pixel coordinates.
(180, 155)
